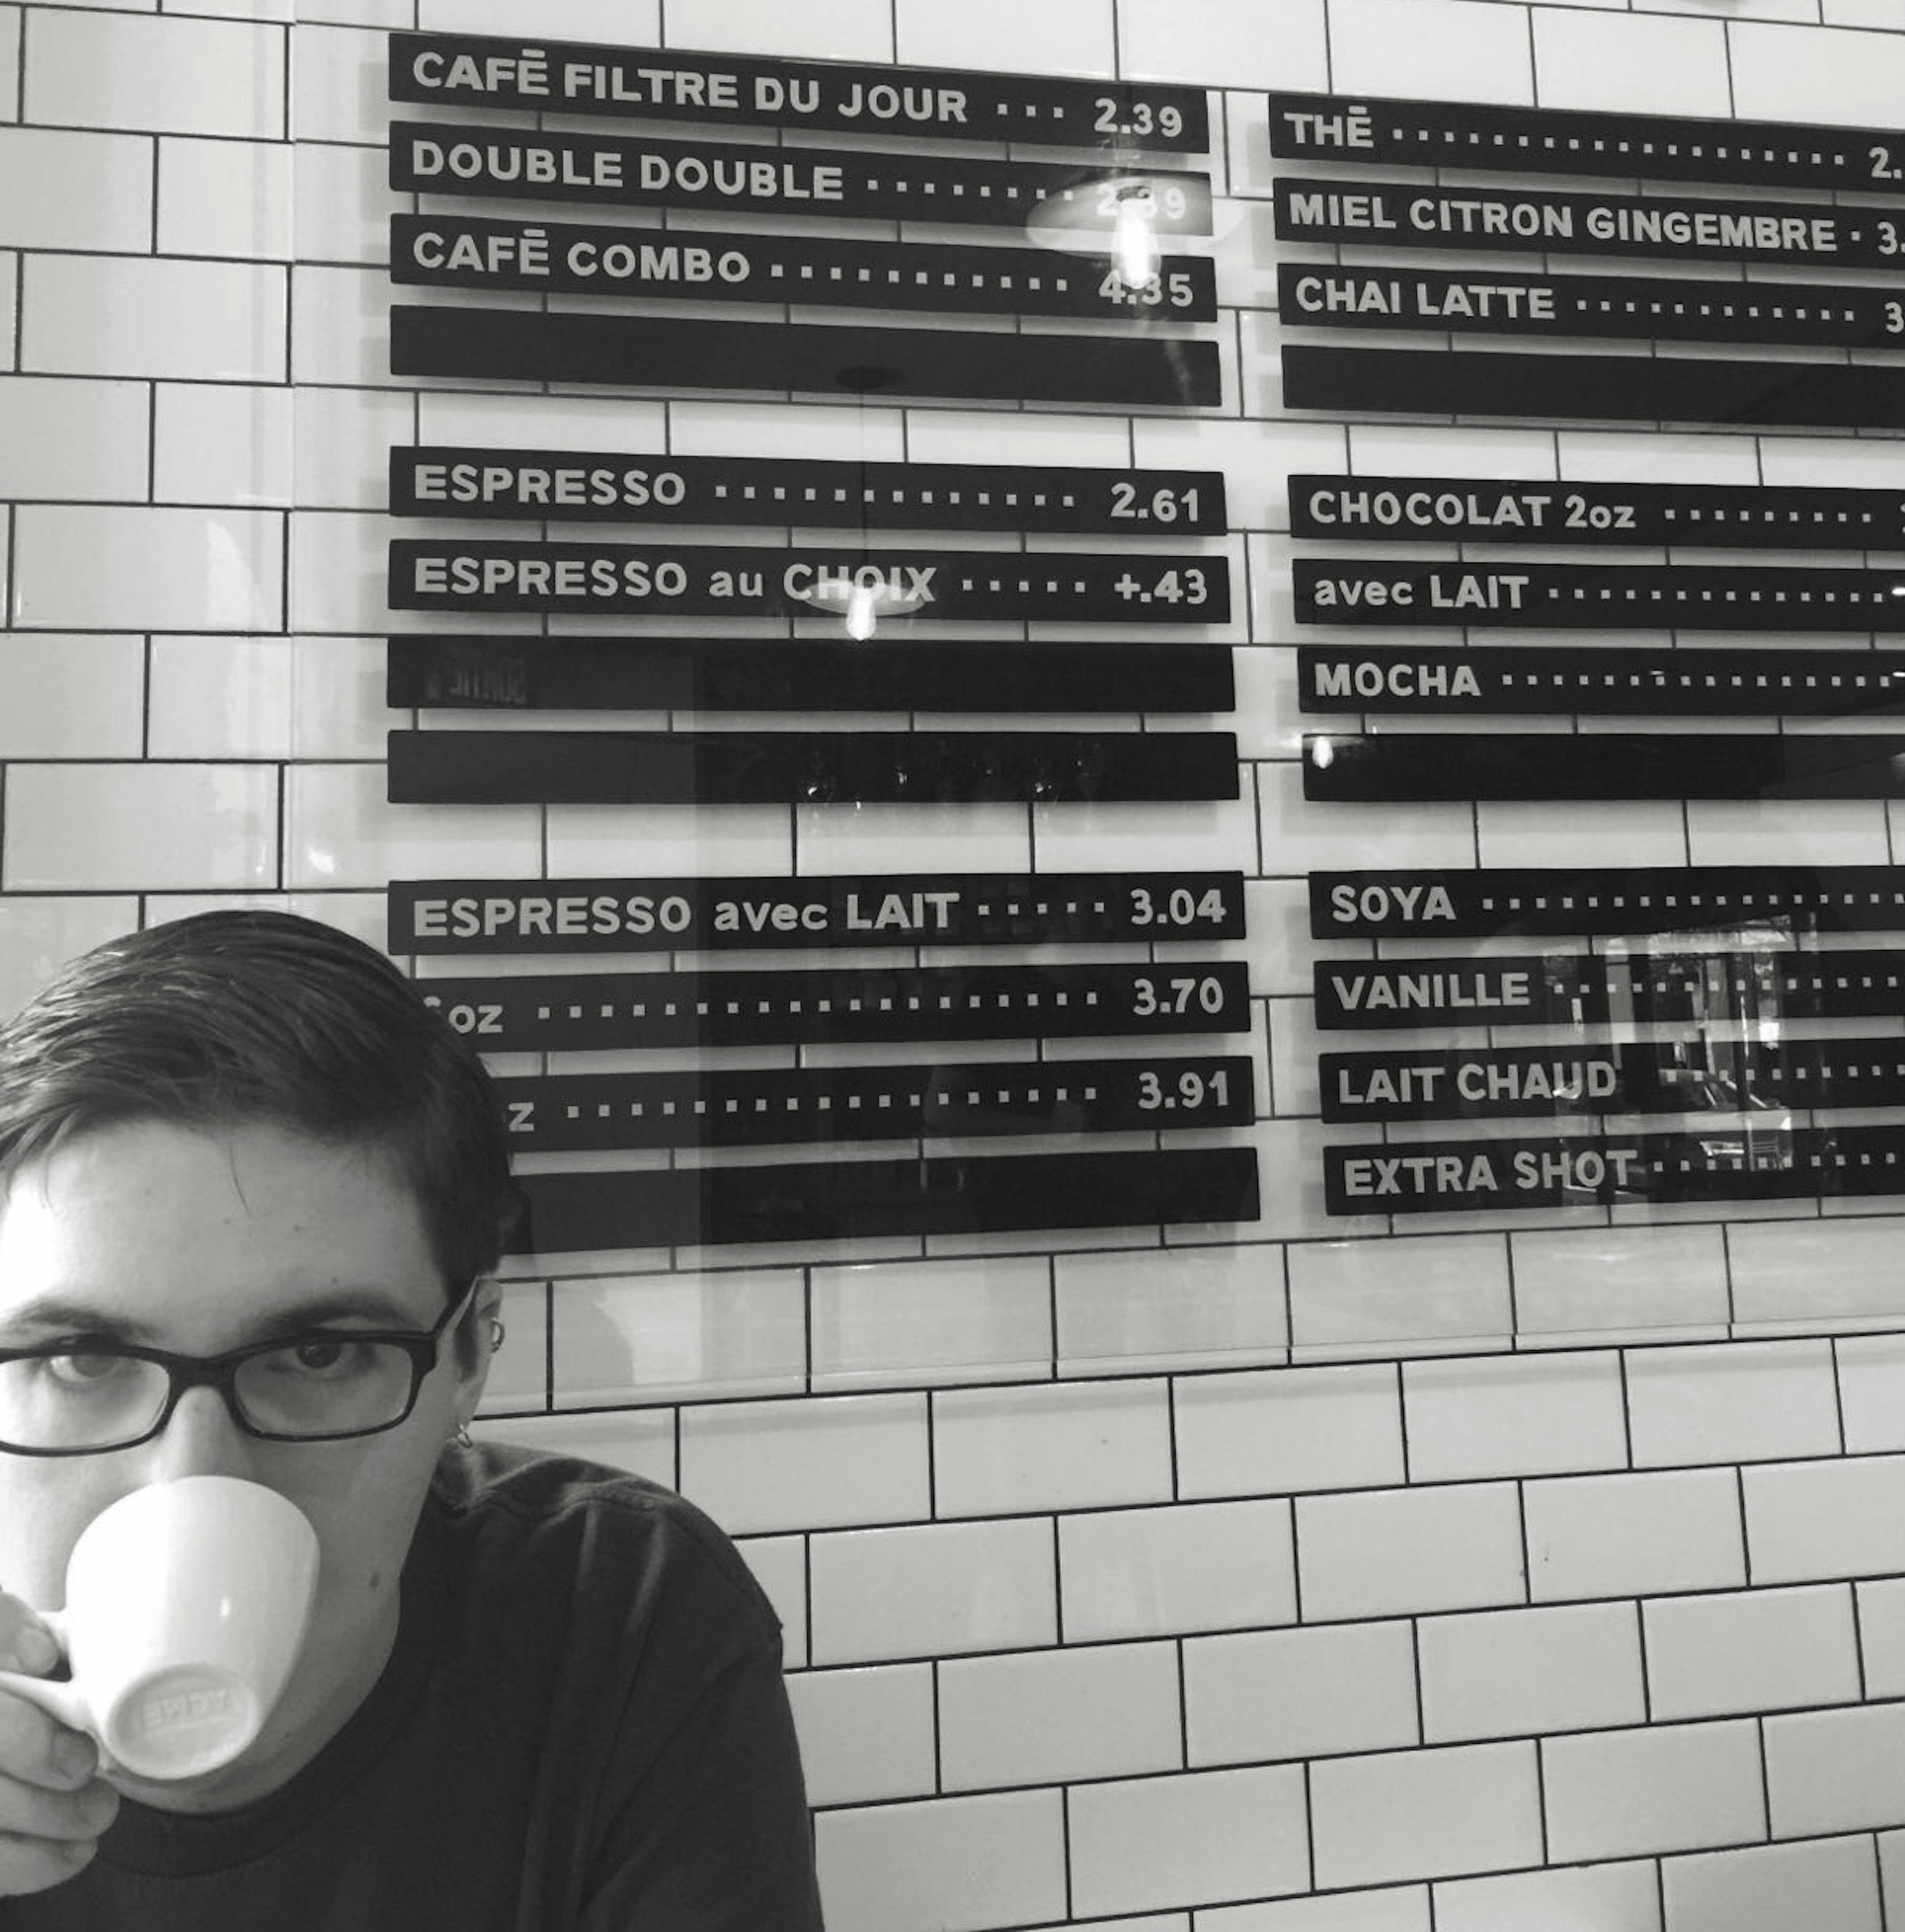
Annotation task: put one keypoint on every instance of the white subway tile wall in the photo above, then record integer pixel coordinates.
(1479, 1574)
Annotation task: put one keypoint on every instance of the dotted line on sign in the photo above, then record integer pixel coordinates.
(1589, 306)
(1584, 144)
(1566, 682)
(1035, 1093)
(1710, 905)
(1697, 514)
(1051, 587)
(1606, 593)
(1011, 499)
(794, 1005)
(920, 278)
(1011, 191)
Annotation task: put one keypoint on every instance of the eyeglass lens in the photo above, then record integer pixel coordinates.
(320, 1385)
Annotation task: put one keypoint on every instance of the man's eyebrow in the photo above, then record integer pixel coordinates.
(358, 1307)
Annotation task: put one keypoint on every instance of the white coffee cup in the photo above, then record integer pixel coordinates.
(187, 1603)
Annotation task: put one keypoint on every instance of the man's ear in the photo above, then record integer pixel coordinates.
(478, 1337)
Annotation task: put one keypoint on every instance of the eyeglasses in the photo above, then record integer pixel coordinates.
(80, 1396)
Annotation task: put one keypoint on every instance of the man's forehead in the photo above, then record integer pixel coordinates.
(161, 1226)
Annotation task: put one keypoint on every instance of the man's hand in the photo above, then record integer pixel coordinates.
(52, 1805)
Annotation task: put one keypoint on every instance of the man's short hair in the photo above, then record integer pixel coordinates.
(257, 1017)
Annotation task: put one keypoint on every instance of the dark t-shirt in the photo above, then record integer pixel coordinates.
(582, 1728)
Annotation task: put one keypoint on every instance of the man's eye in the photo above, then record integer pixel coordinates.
(84, 1369)
(316, 1357)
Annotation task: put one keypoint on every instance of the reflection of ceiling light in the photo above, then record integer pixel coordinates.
(859, 604)
(1118, 218)
(1322, 753)
(1134, 234)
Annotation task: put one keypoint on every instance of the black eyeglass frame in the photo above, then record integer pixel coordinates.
(423, 1346)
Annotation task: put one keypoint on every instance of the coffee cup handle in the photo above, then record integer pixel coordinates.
(65, 1702)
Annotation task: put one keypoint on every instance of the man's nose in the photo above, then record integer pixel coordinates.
(202, 1438)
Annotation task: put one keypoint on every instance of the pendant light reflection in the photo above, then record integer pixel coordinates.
(859, 600)
(1134, 234)
(1119, 221)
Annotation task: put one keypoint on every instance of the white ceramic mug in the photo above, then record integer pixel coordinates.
(187, 1603)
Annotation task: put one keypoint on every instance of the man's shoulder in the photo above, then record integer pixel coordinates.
(508, 1504)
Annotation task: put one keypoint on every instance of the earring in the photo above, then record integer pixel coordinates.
(463, 1438)
(497, 1332)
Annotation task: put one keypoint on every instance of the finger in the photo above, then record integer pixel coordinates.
(37, 1749)
(26, 1642)
(28, 1813)
(36, 1865)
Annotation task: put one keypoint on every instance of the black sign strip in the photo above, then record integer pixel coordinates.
(772, 1106)
(1752, 1163)
(682, 264)
(1628, 308)
(661, 915)
(505, 673)
(812, 1201)
(660, 352)
(1598, 389)
(602, 1012)
(712, 580)
(597, 486)
(1408, 215)
(1539, 765)
(1542, 901)
(806, 767)
(1673, 1077)
(1549, 141)
(1390, 509)
(509, 163)
(1599, 597)
(945, 103)
(1581, 989)
(1509, 678)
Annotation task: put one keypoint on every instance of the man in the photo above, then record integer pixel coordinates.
(238, 1156)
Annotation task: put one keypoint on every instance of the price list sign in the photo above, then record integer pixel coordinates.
(1643, 226)
(1645, 308)
(613, 915)
(931, 1101)
(1749, 1162)
(844, 1200)
(1391, 509)
(765, 1106)
(467, 153)
(440, 157)
(591, 486)
(472, 71)
(580, 258)
(451, 158)
(1637, 389)
(1472, 135)
(1540, 765)
(828, 359)
(459, 671)
(1577, 989)
(1572, 596)
(703, 580)
(1600, 683)
(442, 767)
(838, 1006)
(1603, 900)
